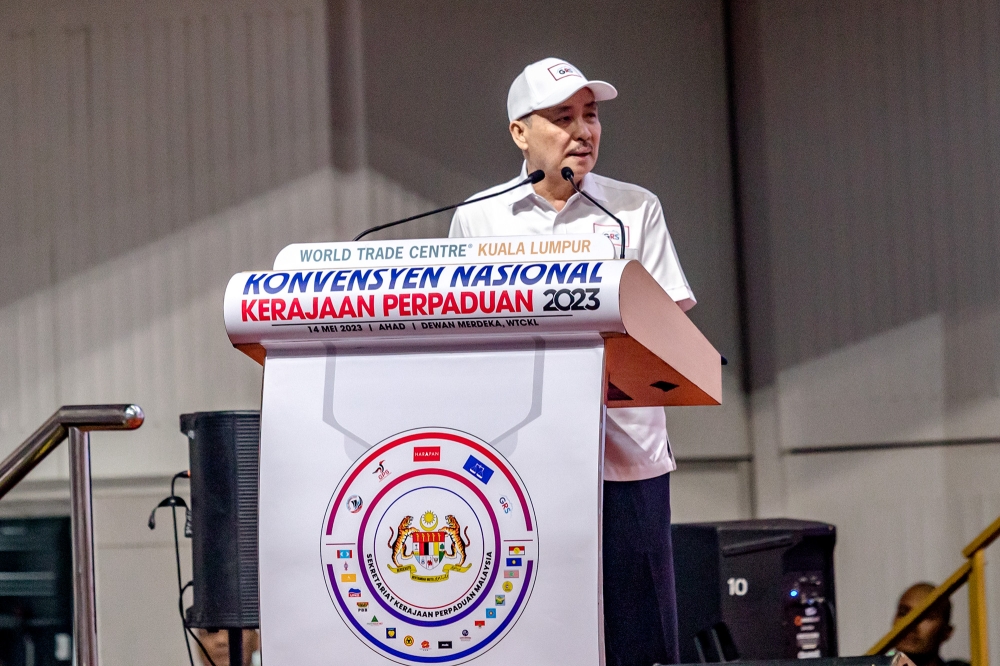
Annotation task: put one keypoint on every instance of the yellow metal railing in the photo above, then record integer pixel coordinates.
(973, 572)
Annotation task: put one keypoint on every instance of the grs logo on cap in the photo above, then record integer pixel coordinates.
(562, 70)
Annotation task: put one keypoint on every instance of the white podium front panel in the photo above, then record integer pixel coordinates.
(432, 439)
(432, 508)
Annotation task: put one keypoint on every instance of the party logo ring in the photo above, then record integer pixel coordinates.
(430, 548)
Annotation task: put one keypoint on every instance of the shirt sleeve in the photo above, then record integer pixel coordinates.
(458, 227)
(659, 257)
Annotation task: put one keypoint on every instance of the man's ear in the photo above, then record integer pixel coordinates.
(946, 634)
(518, 129)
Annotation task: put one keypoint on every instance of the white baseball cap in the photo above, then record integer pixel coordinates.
(548, 82)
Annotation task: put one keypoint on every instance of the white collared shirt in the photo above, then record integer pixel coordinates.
(636, 445)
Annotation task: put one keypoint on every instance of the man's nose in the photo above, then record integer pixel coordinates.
(581, 130)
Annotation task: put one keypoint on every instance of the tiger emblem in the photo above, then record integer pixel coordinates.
(458, 545)
(397, 541)
(429, 546)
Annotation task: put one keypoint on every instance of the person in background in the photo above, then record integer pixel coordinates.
(923, 642)
(217, 645)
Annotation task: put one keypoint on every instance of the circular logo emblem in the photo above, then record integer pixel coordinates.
(442, 547)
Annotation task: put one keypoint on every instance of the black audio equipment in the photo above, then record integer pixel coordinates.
(36, 592)
(879, 660)
(224, 453)
(755, 589)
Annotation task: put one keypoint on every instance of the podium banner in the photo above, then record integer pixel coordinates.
(432, 428)
(368, 254)
(276, 306)
(432, 507)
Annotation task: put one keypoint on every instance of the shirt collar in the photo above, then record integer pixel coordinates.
(588, 185)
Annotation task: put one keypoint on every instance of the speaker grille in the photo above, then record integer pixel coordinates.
(224, 453)
(247, 461)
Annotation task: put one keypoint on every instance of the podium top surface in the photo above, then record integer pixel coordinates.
(508, 289)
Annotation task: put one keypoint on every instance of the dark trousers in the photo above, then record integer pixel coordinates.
(640, 602)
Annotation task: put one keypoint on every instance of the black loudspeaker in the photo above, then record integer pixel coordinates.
(224, 452)
(755, 589)
(878, 660)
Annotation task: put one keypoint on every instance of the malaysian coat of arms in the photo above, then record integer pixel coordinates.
(429, 546)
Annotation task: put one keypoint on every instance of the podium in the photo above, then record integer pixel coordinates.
(432, 423)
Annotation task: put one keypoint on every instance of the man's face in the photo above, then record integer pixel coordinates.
(565, 135)
(926, 637)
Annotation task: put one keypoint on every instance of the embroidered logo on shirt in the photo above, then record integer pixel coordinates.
(614, 232)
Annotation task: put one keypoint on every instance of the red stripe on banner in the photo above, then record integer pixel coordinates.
(427, 537)
(428, 435)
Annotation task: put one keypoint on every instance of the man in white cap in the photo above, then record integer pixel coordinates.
(552, 109)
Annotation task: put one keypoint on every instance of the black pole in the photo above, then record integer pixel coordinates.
(236, 647)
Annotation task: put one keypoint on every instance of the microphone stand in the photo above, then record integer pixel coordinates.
(533, 177)
(567, 174)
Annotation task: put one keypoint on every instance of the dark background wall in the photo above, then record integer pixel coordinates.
(870, 143)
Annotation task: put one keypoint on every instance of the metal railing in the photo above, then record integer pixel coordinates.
(973, 572)
(74, 422)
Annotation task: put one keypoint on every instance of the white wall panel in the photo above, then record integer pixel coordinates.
(869, 149)
(149, 151)
(902, 517)
(869, 130)
(710, 491)
(892, 385)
